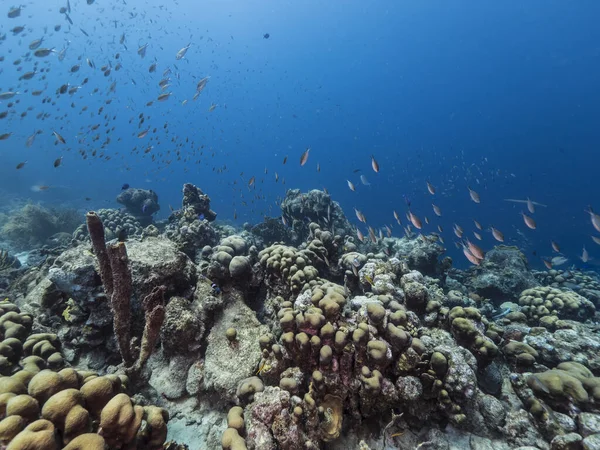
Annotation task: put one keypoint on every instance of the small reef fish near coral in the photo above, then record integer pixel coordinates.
(252, 314)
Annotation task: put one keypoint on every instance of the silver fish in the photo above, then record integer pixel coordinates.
(181, 53)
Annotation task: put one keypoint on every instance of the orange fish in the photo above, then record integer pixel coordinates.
(360, 236)
(528, 221)
(498, 235)
(415, 220)
(360, 216)
(470, 256)
(475, 250)
(304, 156)
(430, 188)
(374, 164)
(547, 263)
(595, 218)
(555, 246)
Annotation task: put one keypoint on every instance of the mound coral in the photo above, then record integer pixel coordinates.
(545, 305)
(44, 405)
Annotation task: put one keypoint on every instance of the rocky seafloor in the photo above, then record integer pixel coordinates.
(193, 334)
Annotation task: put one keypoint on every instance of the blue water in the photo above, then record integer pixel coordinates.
(500, 97)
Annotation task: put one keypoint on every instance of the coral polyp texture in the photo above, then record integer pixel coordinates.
(292, 334)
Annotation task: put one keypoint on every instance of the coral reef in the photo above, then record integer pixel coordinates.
(45, 405)
(503, 273)
(189, 227)
(34, 225)
(299, 209)
(117, 280)
(140, 203)
(293, 334)
(116, 223)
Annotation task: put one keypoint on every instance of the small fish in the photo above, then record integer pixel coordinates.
(125, 186)
(474, 195)
(58, 161)
(43, 52)
(535, 383)
(212, 107)
(351, 185)
(251, 182)
(360, 216)
(143, 134)
(5, 136)
(304, 156)
(142, 50)
(90, 63)
(430, 188)
(477, 235)
(475, 250)
(201, 85)
(528, 221)
(7, 95)
(181, 53)
(477, 225)
(437, 210)
(415, 220)
(559, 260)
(360, 236)
(470, 256)
(498, 235)
(35, 44)
(369, 279)
(363, 180)
(21, 165)
(30, 139)
(285, 159)
(397, 218)
(596, 239)
(374, 164)
(530, 206)
(59, 138)
(458, 231)
(547, 263)
(555, 246)
(595, 218)
(14, 12)
(284, 221)
(164, 96)
(501, 314)
(585, 256)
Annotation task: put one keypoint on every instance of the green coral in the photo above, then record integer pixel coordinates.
(544, 303)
